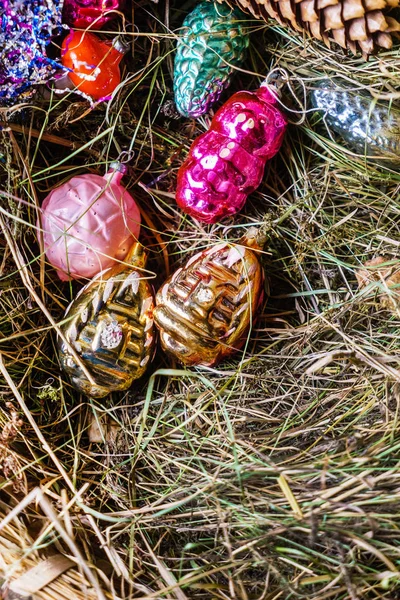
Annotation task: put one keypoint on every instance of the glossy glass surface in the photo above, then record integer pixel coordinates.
(82, 14)
(213, 41)
(93, 64)
(226, 164)
(205, 309)
(370, 128)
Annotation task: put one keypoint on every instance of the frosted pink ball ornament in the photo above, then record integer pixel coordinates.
(89, 222)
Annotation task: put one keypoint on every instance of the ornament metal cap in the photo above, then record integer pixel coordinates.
(137, 256)
(121, 44)
(275, 81)
(254, 239)
(116, 165)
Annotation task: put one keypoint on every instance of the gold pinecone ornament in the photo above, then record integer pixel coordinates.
(109, 326)
(205, 309)
(355, 24)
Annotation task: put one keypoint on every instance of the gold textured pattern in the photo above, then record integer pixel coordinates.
(204, 311)
(110, 327)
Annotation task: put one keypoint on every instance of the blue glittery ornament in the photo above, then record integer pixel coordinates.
(26, 27)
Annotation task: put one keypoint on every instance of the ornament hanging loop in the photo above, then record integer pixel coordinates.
(125, 156)
(276, 79)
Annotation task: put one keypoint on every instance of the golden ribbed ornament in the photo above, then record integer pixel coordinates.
(110, 328)
(204, 311)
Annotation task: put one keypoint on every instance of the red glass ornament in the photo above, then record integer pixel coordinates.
(227, 163)
(82, 14)
(93, 63)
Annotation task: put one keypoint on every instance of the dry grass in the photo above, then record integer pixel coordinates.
(274, 476)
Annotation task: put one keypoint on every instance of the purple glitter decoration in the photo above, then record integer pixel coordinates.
(26, 27)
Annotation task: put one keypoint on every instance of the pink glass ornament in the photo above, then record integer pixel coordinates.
(81, 14)
(88, 222)
(226, 164)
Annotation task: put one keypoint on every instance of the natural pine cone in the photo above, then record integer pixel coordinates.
(353, 24)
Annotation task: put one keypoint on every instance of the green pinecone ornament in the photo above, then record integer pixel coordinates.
(212, 43)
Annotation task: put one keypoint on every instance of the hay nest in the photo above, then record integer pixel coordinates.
(31, 567)
(274, 475)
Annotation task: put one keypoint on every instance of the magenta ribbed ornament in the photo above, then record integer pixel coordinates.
(226, 164)
(82, 14)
